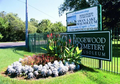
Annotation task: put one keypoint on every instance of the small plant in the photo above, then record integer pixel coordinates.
(72, 55)
(56, 45)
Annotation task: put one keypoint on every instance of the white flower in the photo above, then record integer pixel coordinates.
(40, 68)
(10, 70)
(49, 64)
(56, 62)
(28, 68)
(72, 67)
(49, 73)
(20, 60)
(66, 64)
(47, 67)
(51, 67)
(55, 72)
(18, 70)
(35, 67)
(66, 68)
(60, 62)
(44, 71)
(62, 70)
(36, 73)
(30, 75)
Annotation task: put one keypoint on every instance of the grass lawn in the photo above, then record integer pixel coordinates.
(85, 76)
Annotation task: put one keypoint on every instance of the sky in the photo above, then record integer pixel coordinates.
(38, 9)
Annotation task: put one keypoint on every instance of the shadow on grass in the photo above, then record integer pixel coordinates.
(20, 49)
(85, 68)
(90, 74)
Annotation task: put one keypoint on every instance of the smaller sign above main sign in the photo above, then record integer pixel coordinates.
(83, 20)
(95, 44)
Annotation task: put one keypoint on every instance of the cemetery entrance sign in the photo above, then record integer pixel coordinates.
(95, 44)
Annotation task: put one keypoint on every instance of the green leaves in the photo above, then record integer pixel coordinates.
(1, 36)
(69, 5)
(58, 47)
(43, 48)
(78, 51)
(3, 23)
(73, 54)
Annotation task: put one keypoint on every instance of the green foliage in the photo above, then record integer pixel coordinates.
(57, 46)
(31, 28)
(1, 36)
(34, 22)
(69, 5)
(46, 26)
(14, 31)
(12, 27)
(58, 27)
(72, 54)
(3, 23)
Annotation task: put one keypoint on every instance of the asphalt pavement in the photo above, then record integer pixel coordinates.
(11, 44)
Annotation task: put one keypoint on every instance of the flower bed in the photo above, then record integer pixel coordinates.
(45, 69)
(60, 58)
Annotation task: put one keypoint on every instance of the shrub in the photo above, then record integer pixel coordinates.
(38, 59)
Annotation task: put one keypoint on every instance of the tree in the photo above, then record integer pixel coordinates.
(58, 27)
(110, 10)
(15, 28)
(44, 26)
(72, 5)
(3, 23)
(34, 22)
(31, 28)
(2, 14)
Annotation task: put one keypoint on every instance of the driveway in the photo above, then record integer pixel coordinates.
(11, 44)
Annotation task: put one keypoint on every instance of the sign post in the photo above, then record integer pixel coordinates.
(26, 25)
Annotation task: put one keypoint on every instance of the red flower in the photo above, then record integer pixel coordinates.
(69, 40)
(48, 35)
(51, 34)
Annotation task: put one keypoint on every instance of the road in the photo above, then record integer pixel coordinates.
(11, 44)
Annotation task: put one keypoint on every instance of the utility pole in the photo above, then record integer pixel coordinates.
(26, 25)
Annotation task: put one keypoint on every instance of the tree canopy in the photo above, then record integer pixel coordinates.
(47, 26)
(12, 28)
